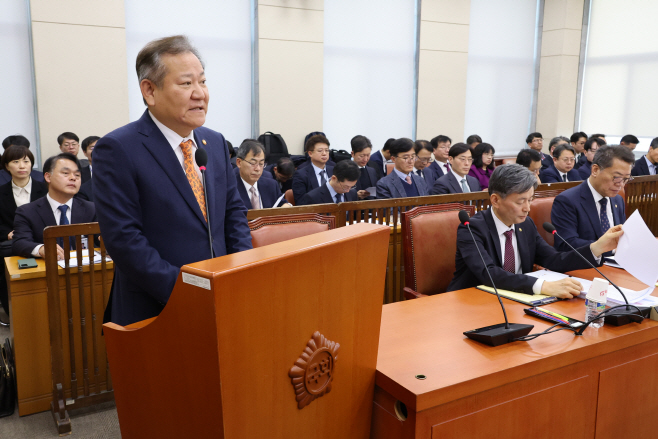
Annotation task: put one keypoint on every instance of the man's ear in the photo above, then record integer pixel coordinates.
(148, 91)
(46, 176)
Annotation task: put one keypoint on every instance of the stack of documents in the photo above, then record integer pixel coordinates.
(73, 262)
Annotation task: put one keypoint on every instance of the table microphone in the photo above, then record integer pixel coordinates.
(501, 333)
(617, 317)
(201, 157)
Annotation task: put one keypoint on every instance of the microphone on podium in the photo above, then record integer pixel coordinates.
(616, 317)
(201, 157)
(501, 333)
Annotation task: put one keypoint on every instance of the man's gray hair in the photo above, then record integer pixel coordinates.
(511, 179)
(554, 141)
(149, 63)
(249, 146)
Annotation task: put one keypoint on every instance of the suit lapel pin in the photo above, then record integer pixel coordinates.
(520, 229)
(615, 206)
(203, 141)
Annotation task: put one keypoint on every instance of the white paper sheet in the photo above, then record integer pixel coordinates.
(636, 249)
(372, 191)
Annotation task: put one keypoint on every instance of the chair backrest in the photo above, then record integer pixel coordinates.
(75, 312)
(272, 229)
(290, 198)
(540, 212)
(389, 168)
(429, 236)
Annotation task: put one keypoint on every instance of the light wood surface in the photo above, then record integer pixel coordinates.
(473, 390)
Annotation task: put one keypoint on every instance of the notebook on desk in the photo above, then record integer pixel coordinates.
(527, 299)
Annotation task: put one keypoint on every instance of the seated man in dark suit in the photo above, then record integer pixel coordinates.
(564, 159)
(318, 172)
(368, 176)
(510, 243)
(584, 213)
(378, 159)
(440, 149)
(529, 158)
(88, 145)
(62, 173)
(578, 140)
(281, 171)
(17, 140)
(591, 146)
(339, 188)
(256, 192)
(536, 141)
(629, 141)
(424, 158)
(647, 164)
(401, 182)
(457, 181)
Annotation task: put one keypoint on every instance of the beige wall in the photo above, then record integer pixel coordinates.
(80, 68)
(290, 56)
(442, 68)
(558, 71)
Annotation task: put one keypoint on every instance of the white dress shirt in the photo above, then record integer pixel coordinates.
(54, 205)
(333, 193)
(443, 166)
(651, 166)
(317, 174)
(608, 207)
(22, 194)
(248, 187)
(459, 180)
(175, 140)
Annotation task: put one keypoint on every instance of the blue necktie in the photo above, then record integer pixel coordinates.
(64, 221)
(323, 179)
(339, 198)
(605, 224)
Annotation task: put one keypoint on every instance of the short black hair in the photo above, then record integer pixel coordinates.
(314, 140)
(387, 144)
(346, 170)
(67, 135)
(654, 143)
(629, 138)
(555, 140)
(533, 136)
(231, 150)
(598, 135)
(526, 156)
(473, 138)
(15, 140)
(458, 148)
(359, 143)
(249, 146)
(88, 141)
(49, 165)
(16, 152)
(401, 145)
(607, 153)
(285, 166)
(423, 144)
(478, 151)
(439, 139)
(557, 152)
(575, 137)
(592, 140)
(311, 134)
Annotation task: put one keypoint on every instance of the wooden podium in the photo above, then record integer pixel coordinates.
(279, 342)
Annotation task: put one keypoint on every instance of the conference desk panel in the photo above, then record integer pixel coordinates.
(599, 385)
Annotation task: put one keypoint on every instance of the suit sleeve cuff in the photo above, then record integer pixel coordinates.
(536, 287)
(598, 260)
(35, 252)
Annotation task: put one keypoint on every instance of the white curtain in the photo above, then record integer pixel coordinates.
(17, 103)
(620, 89)
(221, 31)
(368, 70)
(500, 72)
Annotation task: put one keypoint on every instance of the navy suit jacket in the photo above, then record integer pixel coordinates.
(581, 161)
(438, 170)
(150, 219)
(585, 170)
(33, 217)
(469, 271)
(85, 174)
(268, 172)
(374, 178)
(641, 167)
(428, 175)
(322, 195)
(304, 180)
(448, 184)
(391, 186)
(86, 191)
(268, 190)
(8, 203)
(552, 175)
(575, 217)
(5, 176)
(546, 161)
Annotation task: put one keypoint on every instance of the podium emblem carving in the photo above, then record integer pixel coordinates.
(313, 372)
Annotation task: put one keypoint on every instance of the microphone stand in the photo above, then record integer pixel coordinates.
(205, 196)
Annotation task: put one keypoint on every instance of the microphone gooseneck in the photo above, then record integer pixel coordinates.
(201, 157)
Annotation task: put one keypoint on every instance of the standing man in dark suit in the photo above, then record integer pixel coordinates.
(318, 172)
(441, 149)
(339, 188)
(148, 190)
(422, 168)
(591, 146)
(510, 243)
(584, 213)
(536, 141)
(457, 181)
(378, 159)
(58, 207)
(368, 176)
(256, 192)
(562, 171)
(647, 164)
(17, 140)
(402, 182)
(282, 172)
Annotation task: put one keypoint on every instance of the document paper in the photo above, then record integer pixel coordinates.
(635, 250)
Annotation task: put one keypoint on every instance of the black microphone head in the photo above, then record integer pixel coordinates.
(550, 228)
(201, 157)
(463, 216)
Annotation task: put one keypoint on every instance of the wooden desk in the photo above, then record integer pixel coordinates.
(28, 309)
(602, 384)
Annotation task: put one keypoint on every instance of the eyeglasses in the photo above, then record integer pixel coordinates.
(255, 164)
(346, 188)
(464, 159)
(488, 154)
(321, 151)
(567, 159)
(622, 180)
(407, 158)
(426, 160)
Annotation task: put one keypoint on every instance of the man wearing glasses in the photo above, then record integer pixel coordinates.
(339, 188)
(564, 159)
(591, 146)
(256, 193)
(457, 181)
(318, 173)
(424, 159)
(584, 213)
(402, 182)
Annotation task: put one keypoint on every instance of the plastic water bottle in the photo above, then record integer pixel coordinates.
(595, 301)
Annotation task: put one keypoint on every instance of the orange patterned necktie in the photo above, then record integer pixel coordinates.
(192, 176)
